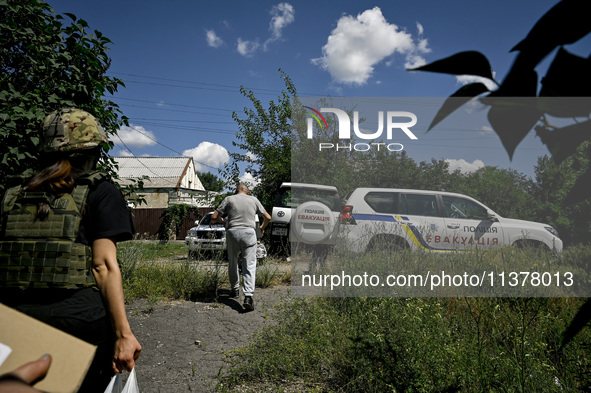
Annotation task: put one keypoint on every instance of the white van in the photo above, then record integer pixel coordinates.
(380, 218)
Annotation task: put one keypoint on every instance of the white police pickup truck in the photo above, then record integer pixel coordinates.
(304, 213)
(379, 218)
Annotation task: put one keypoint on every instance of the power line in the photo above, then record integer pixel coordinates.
(162, 144)
(186, 128)
(170, 110)
(183, 121)
(171, 104)
(273, 91)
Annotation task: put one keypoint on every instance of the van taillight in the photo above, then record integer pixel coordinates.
(346, 216)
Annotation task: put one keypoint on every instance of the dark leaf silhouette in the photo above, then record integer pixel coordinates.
(567, 76)
(463, 63)
(565, 23)
(512, 119)
(569, 107)
(519, 82)
(563, 142)
(579, 321)
(457, 99)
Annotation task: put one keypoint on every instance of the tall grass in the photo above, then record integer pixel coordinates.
(155, 270)
(183, 280)
(270, 274)
(421, 344)
(507, 271)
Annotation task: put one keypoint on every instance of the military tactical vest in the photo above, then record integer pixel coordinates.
(42, 253)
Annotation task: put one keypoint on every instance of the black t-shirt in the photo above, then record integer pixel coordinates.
(106, 215)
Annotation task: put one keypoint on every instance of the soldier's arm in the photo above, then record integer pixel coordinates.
(108, 278)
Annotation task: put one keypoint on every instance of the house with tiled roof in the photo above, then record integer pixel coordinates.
(172, 180)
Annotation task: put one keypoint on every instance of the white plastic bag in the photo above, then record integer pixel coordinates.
(116, 386)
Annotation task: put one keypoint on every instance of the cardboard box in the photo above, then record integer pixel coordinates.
(29, 339)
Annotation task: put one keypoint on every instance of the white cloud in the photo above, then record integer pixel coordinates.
(466, 79)
(359, 43)
(248, 179)
(136, 136)
(247, 48)
(414, 60)
(207, 155)
(213, 39)
(251, 156)
(125, 153)
(283, 14)
(464, 166)
(420, 28)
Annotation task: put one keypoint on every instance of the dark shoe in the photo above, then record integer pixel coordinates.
(248, 303)
(234, 294)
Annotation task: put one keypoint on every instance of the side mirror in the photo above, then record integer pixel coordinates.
(493, 217)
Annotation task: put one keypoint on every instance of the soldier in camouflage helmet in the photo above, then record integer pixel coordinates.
(58, 253)
(71, 129)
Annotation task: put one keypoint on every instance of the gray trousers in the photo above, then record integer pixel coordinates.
(242, 245)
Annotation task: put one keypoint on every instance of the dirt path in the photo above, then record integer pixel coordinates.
(183, 342)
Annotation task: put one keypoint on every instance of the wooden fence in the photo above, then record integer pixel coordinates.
(147, 222)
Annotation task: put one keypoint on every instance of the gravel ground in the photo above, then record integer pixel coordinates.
(184, 342)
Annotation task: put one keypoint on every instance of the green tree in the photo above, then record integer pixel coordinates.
(506, 191)
(556, 204)
(211, 182)
(48, 61)
(397, 170)
(264, 138)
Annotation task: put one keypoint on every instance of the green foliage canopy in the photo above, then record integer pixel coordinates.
(47, 62)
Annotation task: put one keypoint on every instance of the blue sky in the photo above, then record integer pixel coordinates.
(183, 63)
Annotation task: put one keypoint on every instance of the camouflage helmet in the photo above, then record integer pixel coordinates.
(71, 129)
